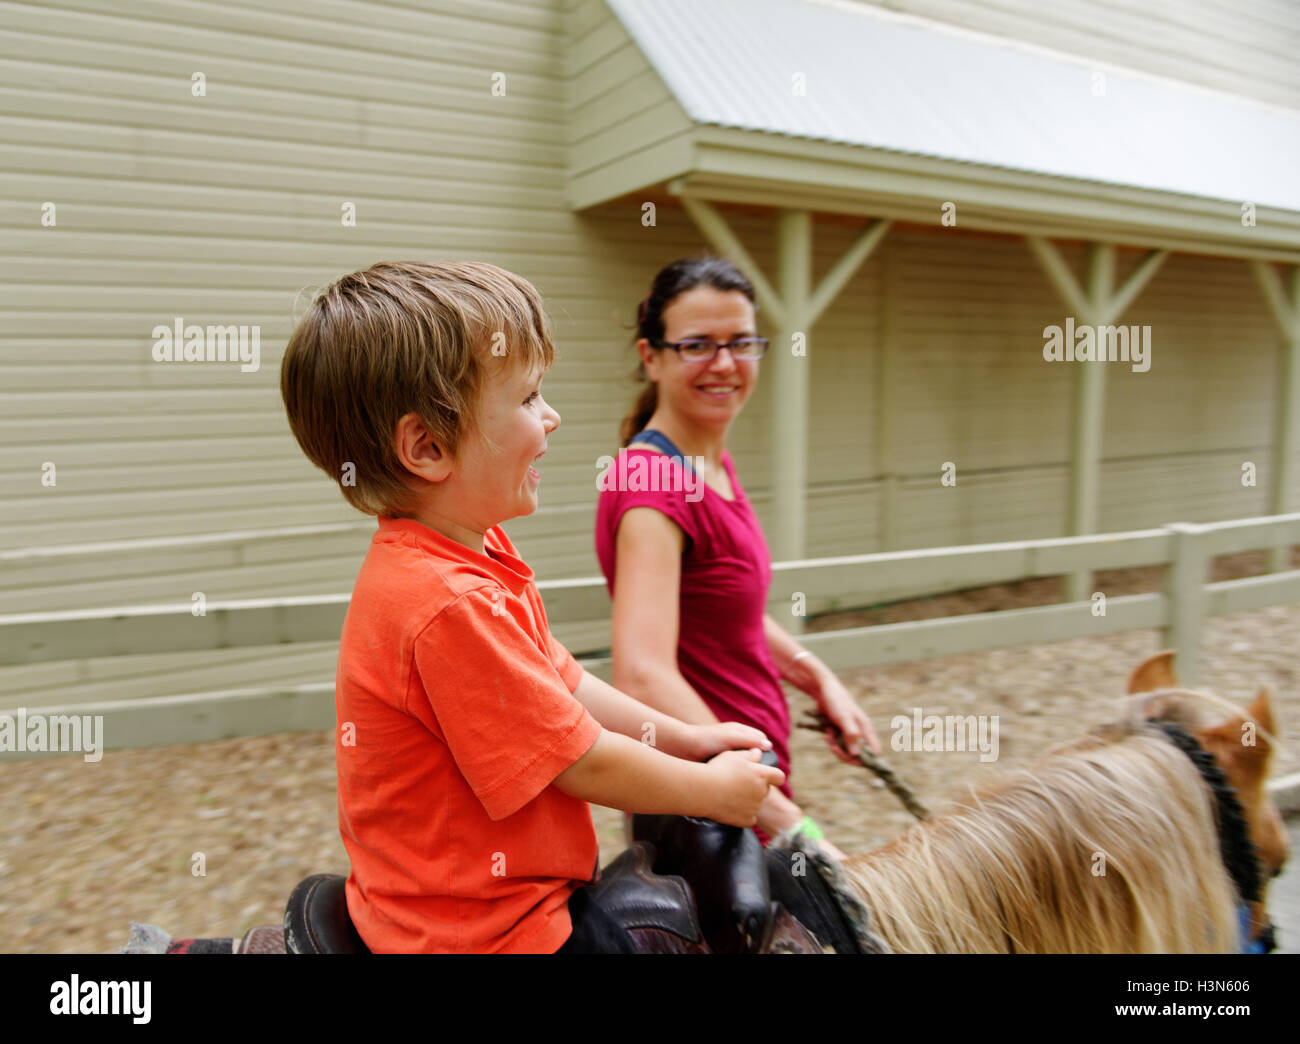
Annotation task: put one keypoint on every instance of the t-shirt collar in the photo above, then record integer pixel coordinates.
(508, 567)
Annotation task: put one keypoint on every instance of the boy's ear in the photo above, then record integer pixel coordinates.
(417, 450)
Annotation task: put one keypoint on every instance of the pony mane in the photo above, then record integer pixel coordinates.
(1189, 708)
(1108, 844)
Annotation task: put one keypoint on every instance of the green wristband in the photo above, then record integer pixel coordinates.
(809, 829)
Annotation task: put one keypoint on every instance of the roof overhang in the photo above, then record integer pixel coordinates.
(733, 148)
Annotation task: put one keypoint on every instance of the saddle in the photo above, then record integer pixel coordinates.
(684, 885)
(316, 918)
(723, 867)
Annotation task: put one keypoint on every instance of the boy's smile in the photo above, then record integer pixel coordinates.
(515, 422)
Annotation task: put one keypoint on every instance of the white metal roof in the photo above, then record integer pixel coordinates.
(906, 85)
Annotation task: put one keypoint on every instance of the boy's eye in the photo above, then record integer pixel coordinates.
(532, 397)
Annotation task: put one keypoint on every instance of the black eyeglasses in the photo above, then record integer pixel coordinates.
(704, 350)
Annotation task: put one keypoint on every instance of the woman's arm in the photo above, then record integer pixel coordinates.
(810, 675)
(647, 588)
(619, 712)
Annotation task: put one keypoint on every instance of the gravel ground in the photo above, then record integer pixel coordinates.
(86, 848)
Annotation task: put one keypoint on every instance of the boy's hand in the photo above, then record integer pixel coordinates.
(708, 740)
(738, 786)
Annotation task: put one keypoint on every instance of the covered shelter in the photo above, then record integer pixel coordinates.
(740, 106)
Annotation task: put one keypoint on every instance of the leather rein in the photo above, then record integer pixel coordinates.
(1236, 849)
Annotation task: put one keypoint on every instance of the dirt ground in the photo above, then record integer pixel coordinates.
(86, 848)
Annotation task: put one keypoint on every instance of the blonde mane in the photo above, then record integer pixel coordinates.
(1107, 845)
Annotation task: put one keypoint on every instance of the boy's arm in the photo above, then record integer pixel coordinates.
(619, 772)
(620, 713)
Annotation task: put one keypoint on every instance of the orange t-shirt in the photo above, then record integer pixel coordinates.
(456, 713)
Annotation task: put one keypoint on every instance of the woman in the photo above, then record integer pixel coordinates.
(685, 559)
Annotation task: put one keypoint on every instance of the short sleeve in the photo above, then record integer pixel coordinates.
(621, 494)
(570, 670)
(505, 713)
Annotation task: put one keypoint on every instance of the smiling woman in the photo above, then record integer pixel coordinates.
(689, 576)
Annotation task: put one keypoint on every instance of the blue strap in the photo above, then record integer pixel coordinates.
(660, 441)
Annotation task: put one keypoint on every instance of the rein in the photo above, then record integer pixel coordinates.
(1236, 849)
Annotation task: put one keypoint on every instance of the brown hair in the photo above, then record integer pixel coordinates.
(399, 338)
(672, 280)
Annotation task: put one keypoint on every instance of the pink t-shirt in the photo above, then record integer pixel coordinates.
(726, 571)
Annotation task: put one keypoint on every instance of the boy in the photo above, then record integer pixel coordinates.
(469, 740)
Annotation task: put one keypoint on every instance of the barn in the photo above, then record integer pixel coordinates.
(920, 191)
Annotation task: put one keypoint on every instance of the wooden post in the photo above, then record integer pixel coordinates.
(1285, 309)
(885, 467)
(790, 377)
(1185, 598)
(1088, 417)
(1099, 305)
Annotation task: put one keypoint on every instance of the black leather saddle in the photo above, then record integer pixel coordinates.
(726, 872)
(685, 885)
(631, 909)
(316, 918)
(707, 890)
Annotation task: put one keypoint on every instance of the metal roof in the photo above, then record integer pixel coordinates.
(875, 79)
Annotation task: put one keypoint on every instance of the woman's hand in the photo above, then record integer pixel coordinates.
(838, 704)
(778, 813)
(708, 740)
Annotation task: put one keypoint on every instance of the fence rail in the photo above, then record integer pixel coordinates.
(1179, 612)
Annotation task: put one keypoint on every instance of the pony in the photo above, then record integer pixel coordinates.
(1113, 843)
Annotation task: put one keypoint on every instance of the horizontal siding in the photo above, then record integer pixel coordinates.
(223, 209)
(618, 105)
(1247, 48)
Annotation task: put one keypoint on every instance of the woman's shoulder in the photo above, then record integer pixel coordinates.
(646, 479)
(648, 475)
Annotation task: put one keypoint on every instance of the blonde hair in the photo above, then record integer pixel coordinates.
(399, 338)
(1107, 845)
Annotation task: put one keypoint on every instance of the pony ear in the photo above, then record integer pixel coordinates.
(1155, 672)
(1262, 711)
(1243, 735)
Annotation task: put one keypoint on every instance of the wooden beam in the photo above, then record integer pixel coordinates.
(1252, 592)
(790, 388)
(719, 233)
(1286, 313)
(887, 351)
(975, 632)
(1134, 284)
(1099, 304)
(1185, 598)
(1088, 416)
(1059, 274)
(1284, 304)
(842, 271)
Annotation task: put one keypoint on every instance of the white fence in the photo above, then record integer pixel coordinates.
(1179, 611)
